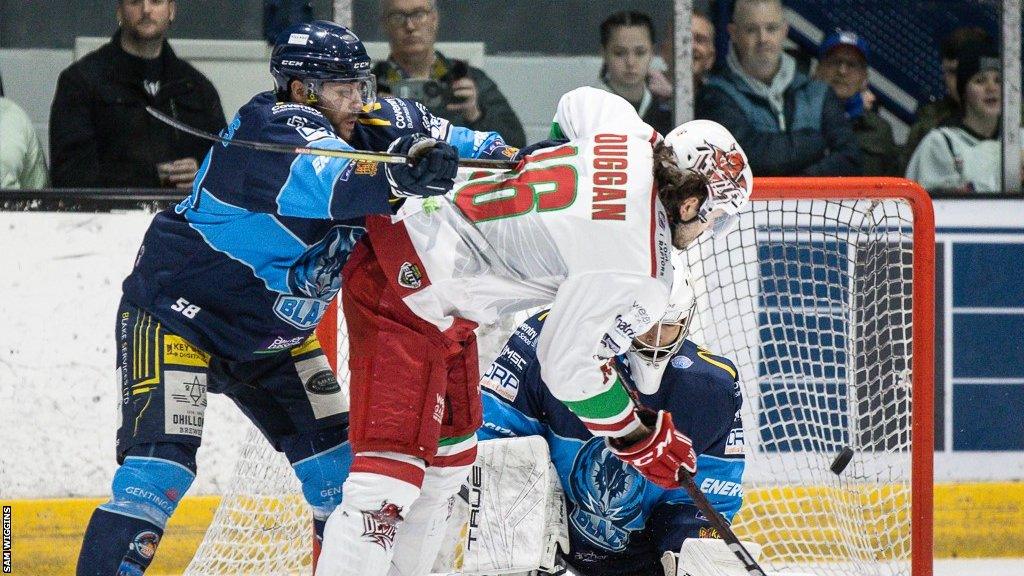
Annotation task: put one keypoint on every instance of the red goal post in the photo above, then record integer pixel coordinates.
(886, 227)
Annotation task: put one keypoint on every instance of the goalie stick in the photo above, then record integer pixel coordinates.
(719, 524)
(385, 157)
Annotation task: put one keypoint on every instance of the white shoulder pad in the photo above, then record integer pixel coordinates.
(587, 111)
(509, 516)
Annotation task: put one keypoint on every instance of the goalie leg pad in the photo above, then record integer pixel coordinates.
(420, 536)
(359, 538)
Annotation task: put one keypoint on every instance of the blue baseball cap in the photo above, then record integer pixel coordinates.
(843, 38)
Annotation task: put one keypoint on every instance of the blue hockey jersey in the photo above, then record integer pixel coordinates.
(619, 522)
(248, 263)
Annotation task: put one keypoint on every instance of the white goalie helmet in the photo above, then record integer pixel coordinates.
(648, 359)
(709, 149)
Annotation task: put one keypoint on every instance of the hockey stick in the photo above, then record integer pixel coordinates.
(719, 524)
(385, 157)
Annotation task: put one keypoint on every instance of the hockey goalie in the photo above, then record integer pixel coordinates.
(546, 495)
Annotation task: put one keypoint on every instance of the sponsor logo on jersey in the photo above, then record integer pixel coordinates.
(179, 351)
(501, 381)
(508, 353)
(304, 313)
(721, 487)
(323, 383)
(708, 532)
(527, 334)
(438, 408)
(282, 343)
(381, 525)
(309, 133)
(144, 544)
(402, 114)
(589, 556)
(366, 168)
(184, 402)
(681, 362)
(498, 428)
(438, 127)
(286, 107)
(610, 177)
(346, 172)
(734, 445)
(409, 276)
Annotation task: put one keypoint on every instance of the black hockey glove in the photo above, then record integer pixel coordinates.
(531, 148)
(432, 172)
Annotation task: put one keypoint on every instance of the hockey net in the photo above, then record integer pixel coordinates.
(823, 297)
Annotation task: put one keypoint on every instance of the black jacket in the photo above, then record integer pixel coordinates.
(497, 114)
(100, 133)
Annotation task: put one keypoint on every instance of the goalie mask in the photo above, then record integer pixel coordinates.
(709, 149)
(650, 352)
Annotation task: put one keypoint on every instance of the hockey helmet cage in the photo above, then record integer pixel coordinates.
(709, 149)
(648, 361)
(318, 52)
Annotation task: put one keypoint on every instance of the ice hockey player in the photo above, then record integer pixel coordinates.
(587, 228)
(619, 523)
(229, 285)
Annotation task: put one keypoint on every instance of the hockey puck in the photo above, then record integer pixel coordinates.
(842, 460)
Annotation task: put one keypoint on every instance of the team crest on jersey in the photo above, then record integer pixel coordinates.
(381, 525)
(409, 276)
(608, 496)
(317, 273)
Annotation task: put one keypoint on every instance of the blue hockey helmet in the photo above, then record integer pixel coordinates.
(318, 52)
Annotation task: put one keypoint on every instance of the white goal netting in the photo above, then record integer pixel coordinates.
(813, 300)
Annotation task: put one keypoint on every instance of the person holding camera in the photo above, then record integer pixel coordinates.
(449, 88)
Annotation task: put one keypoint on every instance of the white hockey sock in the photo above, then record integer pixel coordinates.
(421, 534)
(359, 539)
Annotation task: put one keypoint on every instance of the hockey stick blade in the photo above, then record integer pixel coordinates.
(720, 525)
(385, 157)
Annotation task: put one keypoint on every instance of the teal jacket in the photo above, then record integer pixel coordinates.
(817, 139)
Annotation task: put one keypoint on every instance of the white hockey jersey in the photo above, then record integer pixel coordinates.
(578, 228)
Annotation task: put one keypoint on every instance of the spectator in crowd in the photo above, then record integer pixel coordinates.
(449, 88)
(22, 163)
(963, 154)
(703, 45)
(788, 124)
(280, 14)
(843, 65)
(627, 47)
(100, 133)
(932, 114)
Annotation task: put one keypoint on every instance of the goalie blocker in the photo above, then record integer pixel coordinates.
(509, 518)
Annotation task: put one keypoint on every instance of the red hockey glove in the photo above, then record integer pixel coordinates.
(659, 456)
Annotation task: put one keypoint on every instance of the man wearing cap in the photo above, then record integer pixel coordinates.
(789, 124)
(843, 65)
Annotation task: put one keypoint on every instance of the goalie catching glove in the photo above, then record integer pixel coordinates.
(660, 455)
(431, 174)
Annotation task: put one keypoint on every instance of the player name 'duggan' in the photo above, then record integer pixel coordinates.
(610, 163)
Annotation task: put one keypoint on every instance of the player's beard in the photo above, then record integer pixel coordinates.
(684, 233)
